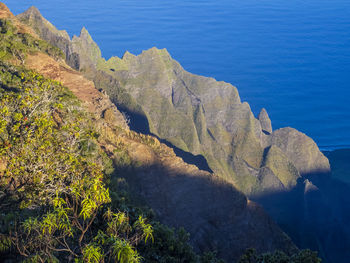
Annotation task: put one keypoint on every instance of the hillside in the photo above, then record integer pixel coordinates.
(68, 159)
(206, 124)
(195, 114)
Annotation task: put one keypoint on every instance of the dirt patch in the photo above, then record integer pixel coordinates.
(95, 101)
(3, 164)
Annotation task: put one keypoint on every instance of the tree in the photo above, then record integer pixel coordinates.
(54, 170)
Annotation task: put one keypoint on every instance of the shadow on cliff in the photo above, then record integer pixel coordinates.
(216, 214)
(197, 160)
(138, 122)
(315, 214)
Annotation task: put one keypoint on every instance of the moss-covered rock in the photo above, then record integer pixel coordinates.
(282, 168)
(301, 150)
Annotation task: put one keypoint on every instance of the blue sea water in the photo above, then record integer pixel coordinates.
(291, 57)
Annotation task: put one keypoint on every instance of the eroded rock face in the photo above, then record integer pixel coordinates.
(269, 181)
(85, 49)
(196, 114)
(80, 52)
(265, 121)
(204, 116)
(301, 150)
(281, 166)
(45, 29)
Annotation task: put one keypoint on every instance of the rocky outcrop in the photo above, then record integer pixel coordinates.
(85, 49)
(265, 121)
(279, 164)
(309, 187)
(45, 29)
(301, 150)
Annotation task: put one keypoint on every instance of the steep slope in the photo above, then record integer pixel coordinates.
(215, 213)
(22, 28)
(217, 216)
(195, 114)
(206, 118)
(95, 101)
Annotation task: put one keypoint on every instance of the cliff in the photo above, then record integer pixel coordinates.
(193, 113)
(206, 123)
(217, 215)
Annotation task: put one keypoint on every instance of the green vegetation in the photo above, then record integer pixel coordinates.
(15, 45)
(60, 195)
(54, 201)
(172, 246)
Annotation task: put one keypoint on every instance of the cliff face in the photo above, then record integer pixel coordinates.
(196, 114)
(206, 117)
(216, 214)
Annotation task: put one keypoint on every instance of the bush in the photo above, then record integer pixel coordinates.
(54, 170)
(15, 45)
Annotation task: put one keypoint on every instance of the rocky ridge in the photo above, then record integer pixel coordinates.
(279, 168)
(216, 214)
(196, 114)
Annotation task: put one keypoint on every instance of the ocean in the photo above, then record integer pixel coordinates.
(291, 57)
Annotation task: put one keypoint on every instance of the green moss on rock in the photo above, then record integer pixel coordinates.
(279, 164)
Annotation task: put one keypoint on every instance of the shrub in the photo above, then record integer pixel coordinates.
(15, 45)
(54, 169)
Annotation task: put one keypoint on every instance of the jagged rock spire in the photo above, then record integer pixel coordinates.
(33, 10)
(265, 121)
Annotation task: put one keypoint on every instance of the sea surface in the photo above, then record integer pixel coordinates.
(291, 57)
